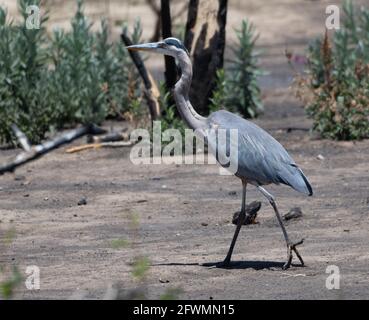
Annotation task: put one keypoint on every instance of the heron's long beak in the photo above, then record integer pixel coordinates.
(154, 46)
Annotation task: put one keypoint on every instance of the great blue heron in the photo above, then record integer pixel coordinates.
(262, 160)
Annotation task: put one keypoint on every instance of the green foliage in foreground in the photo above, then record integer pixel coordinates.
(8, 286)
(10, 277)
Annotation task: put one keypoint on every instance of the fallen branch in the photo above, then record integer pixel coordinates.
(152, 93)
(22, 139)
(100, 145)
(289, 129)
(35, 152)
(110, 137)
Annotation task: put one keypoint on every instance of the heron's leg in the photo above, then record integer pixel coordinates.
(241, 220)
(290, 246)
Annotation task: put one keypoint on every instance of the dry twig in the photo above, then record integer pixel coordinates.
(100, 145)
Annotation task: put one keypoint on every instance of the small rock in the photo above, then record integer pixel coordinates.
(204, 224)
(346, 230)
(163, 281)
(164, 186)
(82, 202)
(19, 178)
(251, 213)
(294, 213)
(141, 201)
(26, 195)
(46, 199)
(156, 178)
(320, 157)
(232, 193)
(75, 215)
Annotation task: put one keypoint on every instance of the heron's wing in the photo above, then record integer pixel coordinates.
(261, 158)
(261, 155)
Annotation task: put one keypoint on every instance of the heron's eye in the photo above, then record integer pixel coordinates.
(173, 42)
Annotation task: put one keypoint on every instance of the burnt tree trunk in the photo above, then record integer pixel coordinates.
(157, 11)
(170, 65)
(205, 40)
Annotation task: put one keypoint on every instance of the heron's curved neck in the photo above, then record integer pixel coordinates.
(181, 90)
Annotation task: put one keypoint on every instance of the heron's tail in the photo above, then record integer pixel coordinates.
(297, 180)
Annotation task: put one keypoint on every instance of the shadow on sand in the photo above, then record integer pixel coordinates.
(257, 265)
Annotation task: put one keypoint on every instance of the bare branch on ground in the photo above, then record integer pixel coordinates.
(34, 152)
(120, 144)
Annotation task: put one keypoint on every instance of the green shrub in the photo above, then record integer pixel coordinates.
(237, 87)
(49, 82)
(136, 110)
(219, 98)
(8, 286)
(336, 89)
(23, 76)
(168, 111)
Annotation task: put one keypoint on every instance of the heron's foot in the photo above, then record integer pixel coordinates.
(292, 247)
(226, 263)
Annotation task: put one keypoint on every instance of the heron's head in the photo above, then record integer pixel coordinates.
(169, 46)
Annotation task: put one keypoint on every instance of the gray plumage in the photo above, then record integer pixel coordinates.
(261, 159)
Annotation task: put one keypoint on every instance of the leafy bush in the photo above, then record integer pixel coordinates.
(47, 82)
(23, 77)
(168, 111)
(237, 87)
(336, 89)
(219, 98)
(136, 111)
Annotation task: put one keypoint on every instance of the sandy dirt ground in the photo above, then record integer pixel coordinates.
(185, 211)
